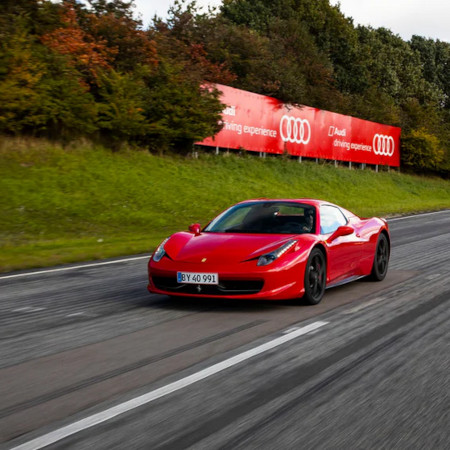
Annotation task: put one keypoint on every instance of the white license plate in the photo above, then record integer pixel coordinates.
(197, 278)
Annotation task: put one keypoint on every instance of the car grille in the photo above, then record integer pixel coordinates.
(225, 287)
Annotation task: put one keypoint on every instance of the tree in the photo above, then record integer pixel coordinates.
(288, 60)
(20, 76)
(179, 110)
(121, 107)
(114, 25)
(421, 150)
(88, 55)
(435, 62)
(39, 93)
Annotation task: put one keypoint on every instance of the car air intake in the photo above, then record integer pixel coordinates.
(225, 287)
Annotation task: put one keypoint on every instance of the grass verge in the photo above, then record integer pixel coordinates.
(83, 202)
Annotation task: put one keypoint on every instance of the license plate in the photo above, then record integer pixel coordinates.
(197, 278)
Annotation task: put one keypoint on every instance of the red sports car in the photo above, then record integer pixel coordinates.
(271, 249)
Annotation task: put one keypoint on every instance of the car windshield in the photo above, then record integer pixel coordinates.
(265, 218)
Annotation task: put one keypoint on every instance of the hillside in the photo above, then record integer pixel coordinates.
(63, 205)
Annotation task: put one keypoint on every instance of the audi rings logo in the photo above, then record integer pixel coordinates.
(295, 130)
(383, 145)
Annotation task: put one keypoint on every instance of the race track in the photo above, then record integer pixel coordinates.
(90, 360)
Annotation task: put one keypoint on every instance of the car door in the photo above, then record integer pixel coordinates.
(344, 251)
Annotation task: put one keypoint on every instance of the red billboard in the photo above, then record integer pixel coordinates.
(264, 124)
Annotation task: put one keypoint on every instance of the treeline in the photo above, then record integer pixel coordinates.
(70, 69)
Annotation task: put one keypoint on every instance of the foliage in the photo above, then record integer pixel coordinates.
(121, 106)
(83, 52)
(68, 70)
(72, 68)
(20, 76)
(191, 113)
(293, 65)
(421, 150)
(120, 32)
(39, 92)
(435, 60)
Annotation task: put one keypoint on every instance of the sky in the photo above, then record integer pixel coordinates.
(427, 18)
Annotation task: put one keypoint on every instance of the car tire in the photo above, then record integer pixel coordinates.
(381, 259)
(315, 277)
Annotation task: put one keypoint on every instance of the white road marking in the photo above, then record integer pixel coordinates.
(433, 276)
(95, 419)
(61, 269)
(363, 305)
(417, 215)
(290, 330)
(81, 314)
(29, 309)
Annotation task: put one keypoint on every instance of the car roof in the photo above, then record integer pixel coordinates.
(307, 201)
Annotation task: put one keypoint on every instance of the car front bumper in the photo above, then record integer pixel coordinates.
(240, 281)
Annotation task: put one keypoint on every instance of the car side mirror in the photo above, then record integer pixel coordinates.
(343, 230)
(195, 228)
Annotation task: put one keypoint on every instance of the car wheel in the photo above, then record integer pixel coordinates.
(315, 277)
(381, 259)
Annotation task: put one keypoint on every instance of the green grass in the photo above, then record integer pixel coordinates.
(79, 203)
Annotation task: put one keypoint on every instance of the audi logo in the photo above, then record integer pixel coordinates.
(295, 130)
(383, 145)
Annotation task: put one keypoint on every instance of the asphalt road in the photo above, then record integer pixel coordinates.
(88, 359)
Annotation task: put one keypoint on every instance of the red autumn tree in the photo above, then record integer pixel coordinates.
(88, 55)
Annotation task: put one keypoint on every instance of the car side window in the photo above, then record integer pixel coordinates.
(331, 218)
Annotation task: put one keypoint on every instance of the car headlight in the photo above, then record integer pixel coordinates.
(270, 257)
(160, 252)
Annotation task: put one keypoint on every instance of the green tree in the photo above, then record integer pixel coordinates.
(121, 107)
(435, 62)
(20, 75)
(270, 49)
(421, 150)
(40, 93)
(179, 110)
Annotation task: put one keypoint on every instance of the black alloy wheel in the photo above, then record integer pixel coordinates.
(381, 259)
(315, 277)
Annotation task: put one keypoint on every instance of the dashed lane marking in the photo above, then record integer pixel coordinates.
(418, 215)
(81, 314)
(28, 309)
(364, 305)
(433, 276)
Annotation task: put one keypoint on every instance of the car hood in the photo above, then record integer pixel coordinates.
(221, 247)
